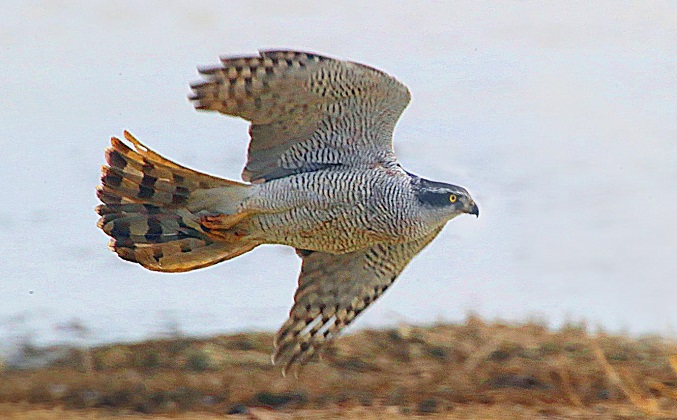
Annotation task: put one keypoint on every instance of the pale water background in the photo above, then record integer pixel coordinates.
(560, 119)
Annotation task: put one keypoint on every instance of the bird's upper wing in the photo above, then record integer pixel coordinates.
(333, 290)
(307, 111)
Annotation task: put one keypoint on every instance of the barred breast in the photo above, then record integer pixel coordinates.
(337, 211)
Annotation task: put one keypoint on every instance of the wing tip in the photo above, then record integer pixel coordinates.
(209, 69)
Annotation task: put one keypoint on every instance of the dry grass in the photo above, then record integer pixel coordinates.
(462, 371)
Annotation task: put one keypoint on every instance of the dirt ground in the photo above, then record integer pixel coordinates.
(466, 371)
(469, 411)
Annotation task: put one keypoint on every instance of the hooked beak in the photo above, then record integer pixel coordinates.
(474, 210)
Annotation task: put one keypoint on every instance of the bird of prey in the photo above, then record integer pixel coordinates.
(321, 176)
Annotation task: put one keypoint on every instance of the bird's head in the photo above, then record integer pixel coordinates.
(443, 201)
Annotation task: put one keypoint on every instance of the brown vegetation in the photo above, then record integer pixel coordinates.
(464, 371)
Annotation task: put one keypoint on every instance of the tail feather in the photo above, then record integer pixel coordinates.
(158, 213)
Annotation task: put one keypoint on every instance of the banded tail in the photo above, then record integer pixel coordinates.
(167, 217)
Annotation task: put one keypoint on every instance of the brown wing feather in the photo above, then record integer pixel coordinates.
(333, 290)
(306, 110)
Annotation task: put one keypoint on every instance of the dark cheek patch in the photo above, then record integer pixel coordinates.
(438, 199)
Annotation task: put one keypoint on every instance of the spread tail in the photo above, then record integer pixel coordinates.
(167, 217)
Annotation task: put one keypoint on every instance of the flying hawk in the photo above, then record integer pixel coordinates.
(321, 176)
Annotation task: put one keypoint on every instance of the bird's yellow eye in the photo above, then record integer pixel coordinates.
(452, 198)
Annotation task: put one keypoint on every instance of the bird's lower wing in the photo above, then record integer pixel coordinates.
(333, 290)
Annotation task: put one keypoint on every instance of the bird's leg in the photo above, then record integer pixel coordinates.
(222, 221)
(225, 226)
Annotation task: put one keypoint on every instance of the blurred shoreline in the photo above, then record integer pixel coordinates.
(447, 369)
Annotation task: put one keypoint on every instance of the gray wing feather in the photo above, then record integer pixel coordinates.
(333, 290)
(307, 110)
